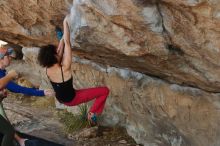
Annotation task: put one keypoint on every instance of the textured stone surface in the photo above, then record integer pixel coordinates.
(154, 112)
(176, 42)
(29, 22)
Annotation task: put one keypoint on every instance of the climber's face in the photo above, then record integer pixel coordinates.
(5, 62)
(6, 55)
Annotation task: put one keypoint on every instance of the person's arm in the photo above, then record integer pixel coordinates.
(13, 87)
(6, 79)
(67, 55)
(60, 48)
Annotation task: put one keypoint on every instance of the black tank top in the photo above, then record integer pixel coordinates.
(64, 91)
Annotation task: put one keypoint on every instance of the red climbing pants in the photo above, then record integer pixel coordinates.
(84, 95)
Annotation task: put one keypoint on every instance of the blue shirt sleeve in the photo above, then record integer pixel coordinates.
(13, 87)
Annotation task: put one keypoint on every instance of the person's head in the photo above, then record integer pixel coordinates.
(6, 54)
(47, 56)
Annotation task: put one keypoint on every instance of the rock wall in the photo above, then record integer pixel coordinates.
(29, 22)
(174, 40)
(154, 112)
(159, 57)
(177, 41)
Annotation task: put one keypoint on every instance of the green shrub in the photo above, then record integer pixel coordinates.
(74, 122)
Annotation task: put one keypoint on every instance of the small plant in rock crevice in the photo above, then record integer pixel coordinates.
(75, 122)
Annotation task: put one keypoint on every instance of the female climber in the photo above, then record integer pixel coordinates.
(57, 62)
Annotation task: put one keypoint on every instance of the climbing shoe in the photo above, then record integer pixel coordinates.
(92, 118)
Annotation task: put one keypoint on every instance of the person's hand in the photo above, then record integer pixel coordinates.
(49, 92)
(60, 46)
(13, 74)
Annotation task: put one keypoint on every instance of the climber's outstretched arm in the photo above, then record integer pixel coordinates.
(60, 48)
(67, 55)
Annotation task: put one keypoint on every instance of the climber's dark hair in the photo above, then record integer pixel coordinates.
(47, 56)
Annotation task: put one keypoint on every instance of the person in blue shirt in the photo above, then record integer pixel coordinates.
(9, 133)
(12, 86)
